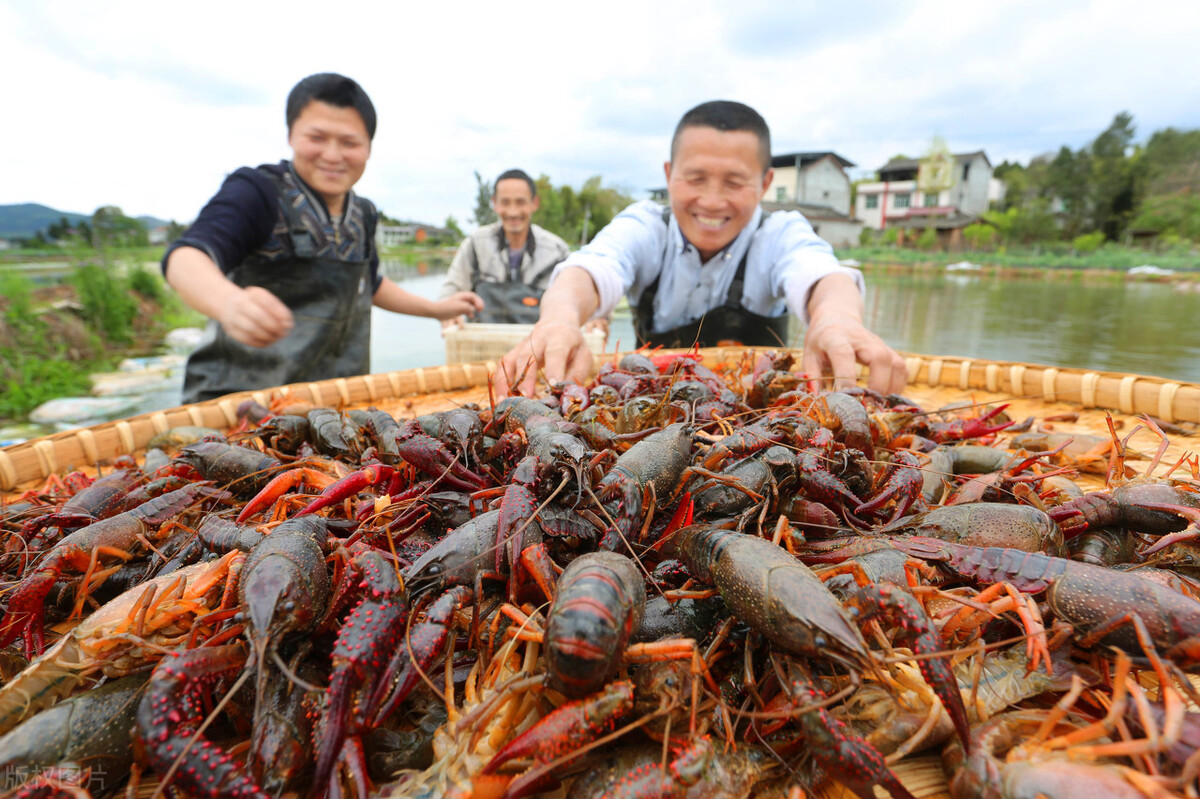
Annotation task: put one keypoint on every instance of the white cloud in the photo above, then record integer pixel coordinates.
(148, 105)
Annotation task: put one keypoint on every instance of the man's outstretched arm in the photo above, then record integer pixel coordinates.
(556, 345)
(836, 339)
(252, 315)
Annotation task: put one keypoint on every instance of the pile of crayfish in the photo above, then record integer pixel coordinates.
(675, 581)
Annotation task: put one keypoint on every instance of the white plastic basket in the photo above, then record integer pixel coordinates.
(478, 342)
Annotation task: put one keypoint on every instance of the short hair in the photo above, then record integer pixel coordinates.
(515, 174)
(727, 115)
(334, 89)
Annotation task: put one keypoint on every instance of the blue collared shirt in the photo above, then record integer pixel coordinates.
(786, 260)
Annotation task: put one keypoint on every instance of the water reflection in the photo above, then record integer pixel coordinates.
(1106, 324)
(401, 269)
(1063, 320)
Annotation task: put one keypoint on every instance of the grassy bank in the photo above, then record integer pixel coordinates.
(1112, 257)
(52, 336)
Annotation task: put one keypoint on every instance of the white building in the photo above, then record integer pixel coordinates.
(896, 199)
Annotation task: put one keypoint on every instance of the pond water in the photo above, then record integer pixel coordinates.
(1065, 320)
(1060, 319)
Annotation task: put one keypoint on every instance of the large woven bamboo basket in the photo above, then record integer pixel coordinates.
(1030, 389)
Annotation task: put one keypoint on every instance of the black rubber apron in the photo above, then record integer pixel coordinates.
(728, 323)
(507, 302)
(330, 301)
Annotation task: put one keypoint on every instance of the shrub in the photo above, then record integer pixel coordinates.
(1088, 242)
(17, 291)
(31, 380)
(106, 303)
(891, 236)
(146, 283)
(978, 235)
(928, 240)
(865, 237)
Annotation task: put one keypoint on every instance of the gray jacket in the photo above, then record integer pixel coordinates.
(488, 248)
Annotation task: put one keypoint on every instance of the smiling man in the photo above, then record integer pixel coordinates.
(507, 263)
(282, 259)
(710, 268)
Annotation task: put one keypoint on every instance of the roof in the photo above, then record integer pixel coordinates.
(810, 211)
(903, 164)
(804, 159)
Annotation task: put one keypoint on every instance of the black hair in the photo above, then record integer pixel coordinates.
(515, 174)
(334, 89)
(727, 115)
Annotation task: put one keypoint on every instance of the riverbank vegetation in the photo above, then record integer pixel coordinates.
(1112, 204)
(54, 335)
(1184, 260)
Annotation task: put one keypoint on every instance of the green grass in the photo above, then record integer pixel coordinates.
(32, 380)
(1050, 256)
(37, 365)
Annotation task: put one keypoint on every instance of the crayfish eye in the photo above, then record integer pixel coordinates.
(434, 570)
(819, 642)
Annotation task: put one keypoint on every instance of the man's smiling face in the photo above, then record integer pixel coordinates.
(715, 180)
(330, 148)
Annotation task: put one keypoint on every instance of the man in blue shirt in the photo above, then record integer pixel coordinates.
(710, 268)
(283, 262)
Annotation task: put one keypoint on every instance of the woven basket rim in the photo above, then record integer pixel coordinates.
(1131, 394)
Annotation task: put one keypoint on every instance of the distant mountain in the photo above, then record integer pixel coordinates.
(152, 222)
(25, 219)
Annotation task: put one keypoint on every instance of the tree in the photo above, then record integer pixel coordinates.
(484, 215)
(1175, 214)
(1114, 190)
(451, 224)
(1021, 225)
(1068, 177)
(1171, 162)
(60, 230)
(1016, 184)
(175, 230)
(111, 228)
(578, 215)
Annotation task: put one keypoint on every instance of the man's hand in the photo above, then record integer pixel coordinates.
(556, 344)
(835, 342)
(255, 317)
(836, 339)
(557, 348)
(462, 303)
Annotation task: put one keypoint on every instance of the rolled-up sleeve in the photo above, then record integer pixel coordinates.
(801, 259)
(627, 252)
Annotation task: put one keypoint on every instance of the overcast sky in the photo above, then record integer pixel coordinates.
(148, 105)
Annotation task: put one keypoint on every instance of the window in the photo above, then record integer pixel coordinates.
(902, 200)
(871, 201)
(966, 170)
(931, 199)
(780, 194)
